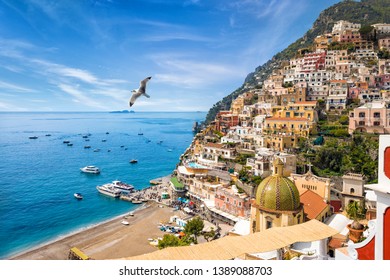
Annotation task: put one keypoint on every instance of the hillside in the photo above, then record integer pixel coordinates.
(365, 12)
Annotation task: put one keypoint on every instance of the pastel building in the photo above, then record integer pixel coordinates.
(372, 117)
(338, 94)
(230, 200)
(308, 181)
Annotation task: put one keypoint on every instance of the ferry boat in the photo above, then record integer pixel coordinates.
(90, 169)
(121, 186)
(109, 190)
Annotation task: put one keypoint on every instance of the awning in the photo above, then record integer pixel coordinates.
(231, 247)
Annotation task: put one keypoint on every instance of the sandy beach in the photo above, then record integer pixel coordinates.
(109, 240)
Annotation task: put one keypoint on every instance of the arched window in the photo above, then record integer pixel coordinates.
(268, 222)
(352, 191)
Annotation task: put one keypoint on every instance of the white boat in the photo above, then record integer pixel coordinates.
(90, 169)
(126, 223)
(78, 195)
(109, 190)
(120, 186)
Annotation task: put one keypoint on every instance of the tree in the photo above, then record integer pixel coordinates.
(194, 228)
(168, 240)
(209, 234)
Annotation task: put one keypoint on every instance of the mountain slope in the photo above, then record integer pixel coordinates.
(365, 12)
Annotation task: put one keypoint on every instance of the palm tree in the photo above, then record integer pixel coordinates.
(355, 212)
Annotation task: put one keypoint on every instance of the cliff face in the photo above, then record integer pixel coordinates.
(365, 12)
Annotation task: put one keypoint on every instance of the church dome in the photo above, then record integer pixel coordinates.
(277, 192)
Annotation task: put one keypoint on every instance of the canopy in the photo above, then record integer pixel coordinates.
(231, 247)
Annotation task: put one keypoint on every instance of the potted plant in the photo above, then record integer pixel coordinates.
(355, 212)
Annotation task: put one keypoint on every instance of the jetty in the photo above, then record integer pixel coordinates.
(159, 180)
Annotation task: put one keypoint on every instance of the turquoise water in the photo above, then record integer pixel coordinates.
(39, 176)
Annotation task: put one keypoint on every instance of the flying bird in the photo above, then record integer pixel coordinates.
(140, 91)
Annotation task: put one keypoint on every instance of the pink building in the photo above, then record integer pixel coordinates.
(314, 62)
(372, 117)
(231, 201)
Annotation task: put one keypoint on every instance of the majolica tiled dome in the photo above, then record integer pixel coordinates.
(277, 192)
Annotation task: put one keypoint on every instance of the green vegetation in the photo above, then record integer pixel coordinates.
(357, 154)
(194, 228)
(355, 212)
(176, 183)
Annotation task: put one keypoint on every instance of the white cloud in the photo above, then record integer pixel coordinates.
(80, 97)
(13, 87)
(5, 106)
(191, 73)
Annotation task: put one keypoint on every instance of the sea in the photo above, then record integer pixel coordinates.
(38, 177)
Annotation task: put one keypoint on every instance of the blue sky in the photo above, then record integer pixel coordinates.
(84, 55)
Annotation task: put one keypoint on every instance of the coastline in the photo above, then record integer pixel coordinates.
(109, 239)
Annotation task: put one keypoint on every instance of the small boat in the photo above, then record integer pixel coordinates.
(107, 132)
(87, 147)
(33, 137)
(159, 142)
(78, 195)
(136, 201)
(96, 150)
(85, 136)
(66, 141)
(140, 132)
(170, 150)
(126, 223)
(90, 169)
(133, 161)
(104, 140)
(70, 144)
(48, 135)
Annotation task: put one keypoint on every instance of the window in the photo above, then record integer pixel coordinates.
(377, 123)
(377, 115)
(269, 224)
(362, 123)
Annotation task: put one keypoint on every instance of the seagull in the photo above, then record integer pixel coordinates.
(140, 91)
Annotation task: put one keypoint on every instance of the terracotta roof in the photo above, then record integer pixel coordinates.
(214, 145)
(337, 241)
(313, 204)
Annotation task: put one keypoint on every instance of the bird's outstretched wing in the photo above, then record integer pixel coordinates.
(133, 98)
(142, 86)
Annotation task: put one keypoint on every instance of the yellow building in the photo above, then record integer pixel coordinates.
(277, 202)
(309, 181)
(237, 105)
(298, 118)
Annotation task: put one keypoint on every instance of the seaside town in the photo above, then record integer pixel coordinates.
(236, 192)
(251, 187)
